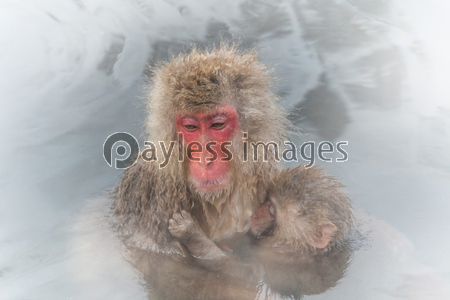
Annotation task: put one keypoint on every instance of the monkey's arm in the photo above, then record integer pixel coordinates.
(189, 233)
(144, 201)
(208, 254)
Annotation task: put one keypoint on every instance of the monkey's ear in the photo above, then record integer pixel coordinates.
(326, 234)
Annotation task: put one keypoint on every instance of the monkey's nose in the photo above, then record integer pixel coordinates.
(205, 163)
(205, 160)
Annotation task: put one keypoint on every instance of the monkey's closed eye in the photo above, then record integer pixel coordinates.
(190, 127)
(217, 125)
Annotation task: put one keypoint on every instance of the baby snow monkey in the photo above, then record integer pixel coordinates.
(305, 209)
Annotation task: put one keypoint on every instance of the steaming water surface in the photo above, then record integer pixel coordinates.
(373, 73)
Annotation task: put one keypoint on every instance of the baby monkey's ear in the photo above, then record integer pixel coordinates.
(325, 234)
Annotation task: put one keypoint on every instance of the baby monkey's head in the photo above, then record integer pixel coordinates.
(304, 208)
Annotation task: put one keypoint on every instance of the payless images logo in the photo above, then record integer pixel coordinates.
(121, 150)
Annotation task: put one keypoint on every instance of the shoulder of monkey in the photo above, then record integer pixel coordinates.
(144, 201)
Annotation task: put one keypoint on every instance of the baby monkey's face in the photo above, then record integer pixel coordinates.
(278, 215)
(263, 220)
(289, 220)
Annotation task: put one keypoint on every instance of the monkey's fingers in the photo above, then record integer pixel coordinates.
(186, 215)
(181, 220)
(176, 228)
(172, 224)
(177, 217)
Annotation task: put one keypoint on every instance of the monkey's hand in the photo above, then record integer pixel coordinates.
(188, 232)
(183, 226)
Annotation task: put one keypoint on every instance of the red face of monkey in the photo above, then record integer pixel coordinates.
(210, 130)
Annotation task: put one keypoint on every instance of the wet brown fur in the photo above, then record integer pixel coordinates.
(200, 81)
(148, 195)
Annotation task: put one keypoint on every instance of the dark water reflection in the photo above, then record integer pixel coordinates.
(372, 73)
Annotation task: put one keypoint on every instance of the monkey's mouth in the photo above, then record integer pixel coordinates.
(210, 185)
(211, 182)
